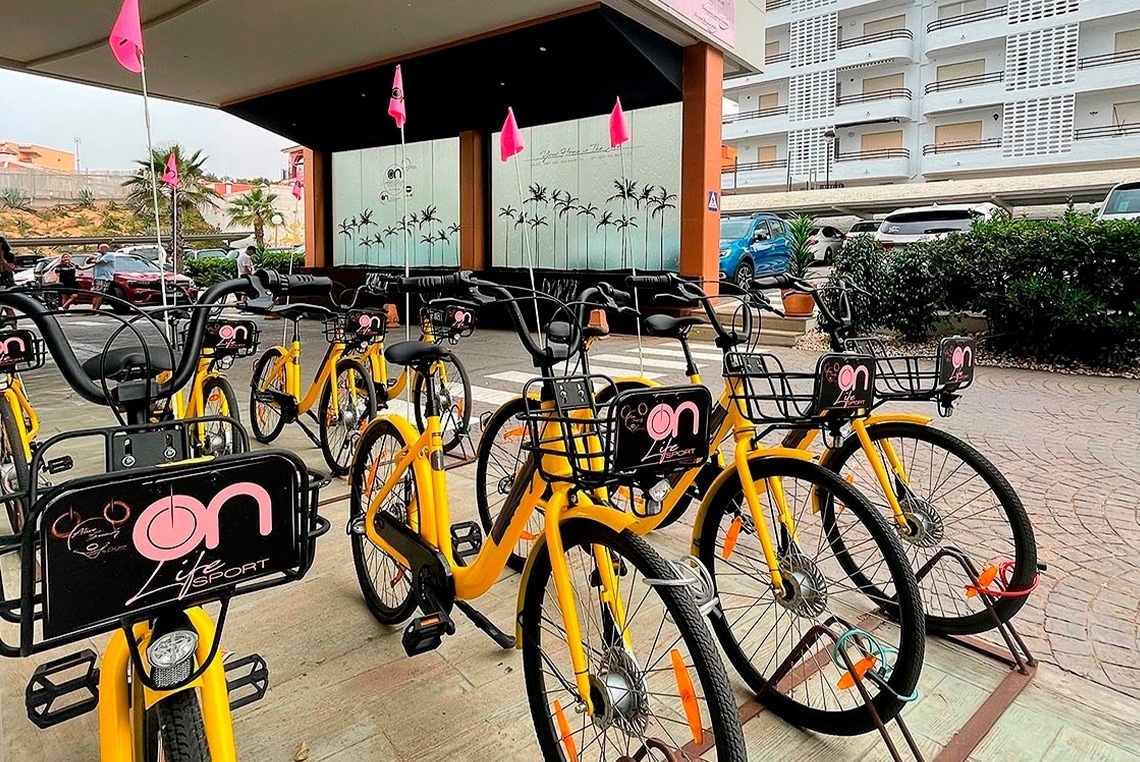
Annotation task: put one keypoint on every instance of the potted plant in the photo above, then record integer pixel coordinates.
(800, 255)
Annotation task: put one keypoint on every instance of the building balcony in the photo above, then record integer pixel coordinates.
(965, 29)
(1107, 71)
(877, 164)
(964, 92)
(746, 124)
(961, 156)
(893, 44)
(777, 12)
(756, 174)
(894, 103)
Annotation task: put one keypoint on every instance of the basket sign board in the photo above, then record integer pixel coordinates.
(955, 362)
(844, 382)
(365, 325)
(17, 348)
(661, 429)
(225, 336)
(119, 544)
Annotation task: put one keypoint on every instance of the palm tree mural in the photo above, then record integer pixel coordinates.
(662, 202)
(453, 231)
(563, 205)
(625, 191)
(589, 211)
(624, 223)
(643, 200)
(537, 195)
(366, 218)
(509, 212)
(521, 221)
(536, 222)
(346, 230)
(411, 223)
(605, 222)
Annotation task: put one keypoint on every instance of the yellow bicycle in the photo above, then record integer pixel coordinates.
(615, 656)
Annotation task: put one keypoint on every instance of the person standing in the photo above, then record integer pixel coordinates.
(245, 265)
(103, 264)
(7, 273)
(66, 275)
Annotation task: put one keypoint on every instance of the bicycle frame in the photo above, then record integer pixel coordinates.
(28, 422)
(289, 362)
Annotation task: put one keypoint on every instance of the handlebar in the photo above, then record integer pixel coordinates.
(421, 284)
(688, 294)
(647, 281)
(294, 286)
(829, 322)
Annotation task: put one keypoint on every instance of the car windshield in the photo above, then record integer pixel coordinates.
(928, 222)
(733, 228)
(1121, 201)
(865, 227)
(125, 263)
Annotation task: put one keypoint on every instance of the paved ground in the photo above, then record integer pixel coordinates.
(342, 685)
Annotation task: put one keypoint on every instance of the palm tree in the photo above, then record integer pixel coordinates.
(366, 242)
(346, 231)
(453, 231)
(256, 208)
(194, 193)
(661, 202)
(428, 216)
(589, 211)
(624, 223)
(606, 221)
(509, 212)
(536, 222)
(563, 205)
(643, 200)
(625, 191)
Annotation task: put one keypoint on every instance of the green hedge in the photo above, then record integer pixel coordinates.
(1064, 289)
(211, 270)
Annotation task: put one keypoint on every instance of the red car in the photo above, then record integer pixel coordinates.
(136, 280)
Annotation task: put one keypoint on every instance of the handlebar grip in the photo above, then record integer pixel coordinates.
(648, 281)
(422, 284)
(783, 280)
(676, 299)
(294, 285)
(621, 297)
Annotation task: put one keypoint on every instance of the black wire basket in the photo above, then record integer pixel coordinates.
(767, 394)
(21, 349)
(640, 435)
(920, 377)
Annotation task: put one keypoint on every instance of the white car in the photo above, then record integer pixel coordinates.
(920, 223)
(825, 241)
(863, 227)
(1122, 202)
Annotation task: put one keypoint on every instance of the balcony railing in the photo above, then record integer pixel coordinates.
(777, 57)
(1110, 131)
(773, 5)
(874, 153)
(867, 39)
(961, 145)
(966, 18)
(759, 113)
(972, 81)
(753, 166)
(1108, 59)
(894, 93)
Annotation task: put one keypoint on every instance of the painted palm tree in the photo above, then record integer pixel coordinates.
(625, 191)
(195, 191)
(563, 205)
(509, 212)
(606, 221)
(428, 216)
(643, 202)
(453, 231)
(535, 223)
(624, 223)
(411, 223)
(366, 218)
(662, 202)
(589, 211)
(520, 222)
(366, 243)
(346, 230)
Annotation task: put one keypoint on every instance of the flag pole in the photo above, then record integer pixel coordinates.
(633, 268)
(153, 182)
(407, 259)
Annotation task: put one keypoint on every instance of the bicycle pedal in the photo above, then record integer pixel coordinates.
(466, 539)
(62, 689)
(426, 633)
(59, 465)
(247, 680)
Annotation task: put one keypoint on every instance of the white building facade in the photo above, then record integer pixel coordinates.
(874, 92)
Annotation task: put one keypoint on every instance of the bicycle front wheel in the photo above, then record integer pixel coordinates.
(499, 459)
(952, 497)
(265, 416)
(14, 471)
(340, 427)
(658, 688)
(218, 399)
(768, 633)
(453, 389)
(180, 728)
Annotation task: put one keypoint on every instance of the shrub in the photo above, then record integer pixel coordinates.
(863, 262)
(210, 270)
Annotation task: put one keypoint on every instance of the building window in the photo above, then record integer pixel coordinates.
(960, 8)
(1127, 112)
(974, 68)
(771, 48)
(959, 132)
(884, 83)
(877, 141)
(766, 153)
(1127, 41)
(884, 25)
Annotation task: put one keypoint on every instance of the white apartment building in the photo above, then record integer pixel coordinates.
(874, 92)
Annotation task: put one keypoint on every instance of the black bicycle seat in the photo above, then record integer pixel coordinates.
(127, 362)
(669, 326)
(414, 353)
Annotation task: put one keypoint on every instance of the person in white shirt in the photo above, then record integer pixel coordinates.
(245, 264)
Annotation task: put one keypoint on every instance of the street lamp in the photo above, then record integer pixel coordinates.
(276, 220)
(830, 136)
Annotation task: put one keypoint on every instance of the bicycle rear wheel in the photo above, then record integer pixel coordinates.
(953, 497)
(14, 471)
(499, 458)
(356, 404)
(265, 417)
(767, 633)
(218, 398)
(656, 682)
(453, 388)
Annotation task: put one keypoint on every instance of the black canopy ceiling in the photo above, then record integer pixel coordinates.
(566, 68)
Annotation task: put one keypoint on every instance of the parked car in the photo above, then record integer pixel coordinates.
(753, 245)
(1122, 202)
(863, 227)
(824, 242)
(217, 253)
(136, 279)
(919, 223)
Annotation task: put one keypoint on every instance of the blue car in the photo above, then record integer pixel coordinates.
(753, 245)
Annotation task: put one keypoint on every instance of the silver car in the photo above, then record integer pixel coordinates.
(919, 223)
(1122, 203)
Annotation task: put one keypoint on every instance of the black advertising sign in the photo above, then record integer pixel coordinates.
(231, 336)
(117, 544)
(844, 382)
(365, 325)
(955, 362)
(17, 348)
(662, 429)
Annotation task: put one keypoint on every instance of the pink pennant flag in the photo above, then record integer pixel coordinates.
(126, 37)
(297, 189)
(511, 139)
(396, 108)
(170, 176)
(619, 126)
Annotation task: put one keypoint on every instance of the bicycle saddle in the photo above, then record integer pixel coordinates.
(669, 326)
(414, 353)
(129, 362)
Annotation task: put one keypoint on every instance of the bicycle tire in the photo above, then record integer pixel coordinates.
(882, 543)
(265, 431)
(338, 457)
(498, 461)
(367, 559)
(454, 427)
(181, 728)
(682, 613)
(229, 407)
(12, 456)
(970, 616)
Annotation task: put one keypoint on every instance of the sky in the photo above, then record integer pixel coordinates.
(111, 128)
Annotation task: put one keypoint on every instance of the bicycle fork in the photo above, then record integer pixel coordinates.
(881, 473)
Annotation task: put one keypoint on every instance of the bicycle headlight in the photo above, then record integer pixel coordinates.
(172, 649)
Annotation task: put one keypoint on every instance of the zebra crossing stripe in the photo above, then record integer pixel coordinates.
(513, 376)
(491, 396)
(678, 354)
(650, 362)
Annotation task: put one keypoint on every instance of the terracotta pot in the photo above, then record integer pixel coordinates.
(797, 304)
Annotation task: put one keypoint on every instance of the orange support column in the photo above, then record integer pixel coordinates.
(700, 162)
(318, 203)
(472, 204)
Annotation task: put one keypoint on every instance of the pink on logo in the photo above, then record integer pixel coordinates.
(172, 527)
(963, 357)
(6, 344)
(663, 422)
(849, 377)
(370, 322)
